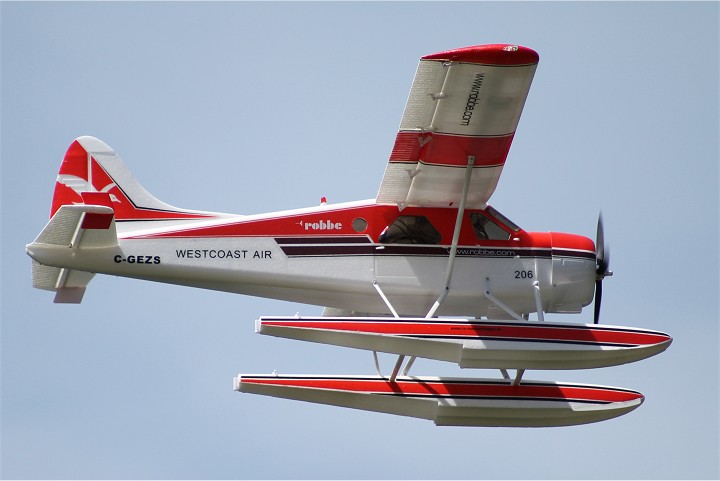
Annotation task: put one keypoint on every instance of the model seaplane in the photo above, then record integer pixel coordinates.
(426, 269)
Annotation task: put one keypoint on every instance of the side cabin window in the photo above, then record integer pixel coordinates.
(410, 229)
(486, 229)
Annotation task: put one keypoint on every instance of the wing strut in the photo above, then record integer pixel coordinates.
(451, 258)
(455, 239)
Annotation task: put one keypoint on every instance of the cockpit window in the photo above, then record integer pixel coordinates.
(508, 223)
(486, 229)
(410, 229)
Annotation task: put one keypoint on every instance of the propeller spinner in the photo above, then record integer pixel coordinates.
(602, 267)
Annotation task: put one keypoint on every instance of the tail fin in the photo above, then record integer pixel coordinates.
(94, 189)
(92, 173)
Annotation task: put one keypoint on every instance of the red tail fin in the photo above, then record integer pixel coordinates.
(91, 173)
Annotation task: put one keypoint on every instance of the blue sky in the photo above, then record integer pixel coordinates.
(256, 107)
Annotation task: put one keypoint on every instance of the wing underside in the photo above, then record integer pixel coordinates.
(464, 105)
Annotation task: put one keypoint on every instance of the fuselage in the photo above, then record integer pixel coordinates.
(338, 256)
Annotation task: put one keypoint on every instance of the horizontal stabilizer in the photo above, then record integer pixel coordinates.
(69, 285)
(454, 401)
(71, 228)
(478, 344)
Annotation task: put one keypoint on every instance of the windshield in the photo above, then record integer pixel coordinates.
(507, 222)
(486, 228)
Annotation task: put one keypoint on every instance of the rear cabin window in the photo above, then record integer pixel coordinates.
(410, 229)
(486, 229)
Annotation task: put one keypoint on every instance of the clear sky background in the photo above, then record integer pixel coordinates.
(256, 107)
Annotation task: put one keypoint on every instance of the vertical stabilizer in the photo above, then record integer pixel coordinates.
(92, 173)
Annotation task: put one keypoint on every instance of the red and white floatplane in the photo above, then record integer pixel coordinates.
(425, 269)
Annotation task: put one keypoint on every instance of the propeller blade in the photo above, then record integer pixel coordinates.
(606, 272)
(600, 240)
(598, 300)
(602, 252)
(602, 265)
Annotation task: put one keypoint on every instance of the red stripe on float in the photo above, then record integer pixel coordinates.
(470, 331)
(456, 389)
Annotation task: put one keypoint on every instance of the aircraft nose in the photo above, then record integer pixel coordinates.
(573, 272)
(572, 242)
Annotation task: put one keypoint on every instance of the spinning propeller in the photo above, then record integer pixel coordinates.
(602, 266)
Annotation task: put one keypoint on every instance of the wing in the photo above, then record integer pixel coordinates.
(463, 102)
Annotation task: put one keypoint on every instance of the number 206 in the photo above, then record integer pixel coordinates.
(524, 274)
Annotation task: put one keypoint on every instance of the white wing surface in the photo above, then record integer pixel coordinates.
(464, 103)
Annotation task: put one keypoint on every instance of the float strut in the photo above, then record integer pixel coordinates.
(538, 301)
(400, 360)
(384, 298)
(377, 363)
(396, 369)
(500, 303)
